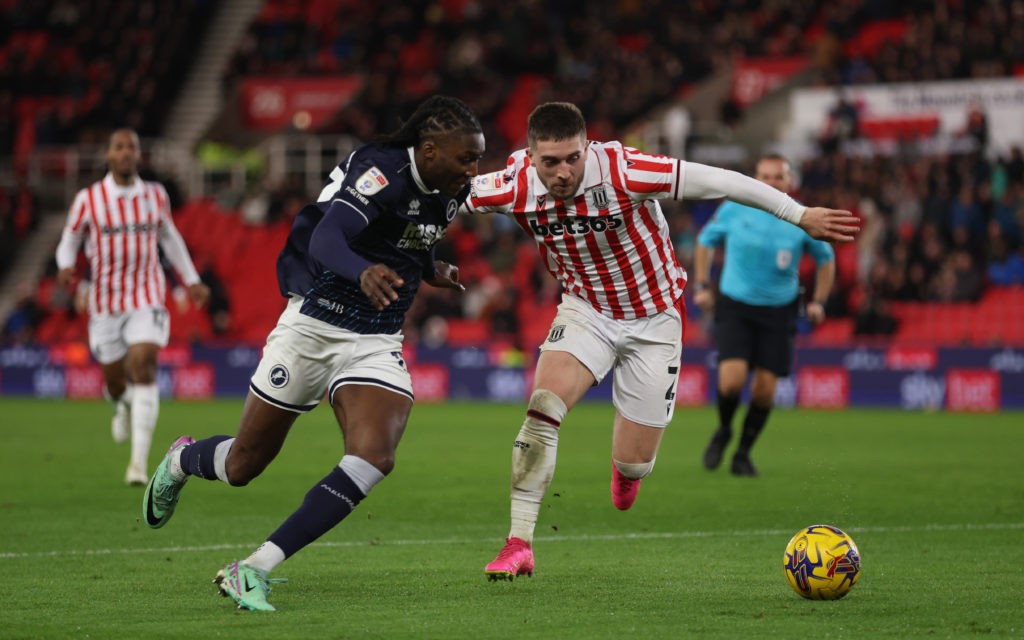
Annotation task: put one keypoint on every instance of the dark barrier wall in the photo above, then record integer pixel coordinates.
(898, 376)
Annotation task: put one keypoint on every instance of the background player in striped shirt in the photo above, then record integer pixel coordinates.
(592, 208)
(757, 306)
(350, 268)
(124, 221)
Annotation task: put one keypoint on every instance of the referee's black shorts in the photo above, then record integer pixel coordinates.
(763, 336)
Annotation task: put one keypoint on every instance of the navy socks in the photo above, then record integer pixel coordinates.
(325, 505)
(197, 458)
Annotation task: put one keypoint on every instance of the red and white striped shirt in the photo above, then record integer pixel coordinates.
(610, 245)
(122, 228)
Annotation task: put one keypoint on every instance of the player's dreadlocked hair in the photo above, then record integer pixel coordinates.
(555, 121)
(437, 115)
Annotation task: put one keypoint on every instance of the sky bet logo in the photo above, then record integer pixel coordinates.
(420, 236)
(576, 226)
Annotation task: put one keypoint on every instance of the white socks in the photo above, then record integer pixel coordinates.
(533, 460)
(268, 556)
(220, 459)
(145, 400)
(362, 473)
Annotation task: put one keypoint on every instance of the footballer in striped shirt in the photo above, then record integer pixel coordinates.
(123, 222)
(592, 209)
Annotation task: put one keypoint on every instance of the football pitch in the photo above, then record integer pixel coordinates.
(934, 501)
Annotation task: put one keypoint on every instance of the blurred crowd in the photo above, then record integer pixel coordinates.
(936, 227)
(616, 60)
(71, 70)
(943, 40)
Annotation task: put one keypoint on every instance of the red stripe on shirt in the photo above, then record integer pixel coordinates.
(135, 245)
(670, 266)
(105, 254)
(597, 257)
(639, 163)
(151, 268)
(620, 251)
(122, 242)
(94, 237)
(639, 186)
(622, 258)
(630, 215)
(79, 217)
(572, 253)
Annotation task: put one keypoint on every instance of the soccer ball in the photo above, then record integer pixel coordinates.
(821, 563)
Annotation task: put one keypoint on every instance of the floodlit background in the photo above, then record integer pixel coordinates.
(910, 115)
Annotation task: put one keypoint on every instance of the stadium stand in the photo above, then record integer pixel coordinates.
(74, 70)
(941, 252)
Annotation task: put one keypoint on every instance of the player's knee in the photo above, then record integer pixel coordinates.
(730, 388)
(763, 397)
(547, 404)
(142, 373)
(634, 470)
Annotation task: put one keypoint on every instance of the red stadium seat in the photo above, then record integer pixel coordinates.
(464, 332)
(834, 331)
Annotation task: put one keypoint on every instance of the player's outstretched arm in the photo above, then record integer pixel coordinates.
(832, 225)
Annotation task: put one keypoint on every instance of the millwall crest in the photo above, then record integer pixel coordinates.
(279, 376)
(557, 333)
(597, 196)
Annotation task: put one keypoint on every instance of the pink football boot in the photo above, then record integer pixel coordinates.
(624, 490)
(515, 559)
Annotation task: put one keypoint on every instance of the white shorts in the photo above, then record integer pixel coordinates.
(645, 353)
(305, 358)
(111, 335)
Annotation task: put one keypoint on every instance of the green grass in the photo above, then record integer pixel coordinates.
(935, 502)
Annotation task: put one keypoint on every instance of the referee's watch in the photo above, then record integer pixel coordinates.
(700, 286)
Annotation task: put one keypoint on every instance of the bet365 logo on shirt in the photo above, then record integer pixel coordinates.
(578, 225)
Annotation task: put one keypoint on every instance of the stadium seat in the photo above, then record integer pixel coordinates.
(464, 332)
(833, 331)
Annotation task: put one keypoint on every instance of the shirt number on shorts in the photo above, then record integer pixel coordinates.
(159, 318)
(670, 395)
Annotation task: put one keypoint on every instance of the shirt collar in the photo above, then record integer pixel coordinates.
(112, 186)
(538, 185)
(416, 173)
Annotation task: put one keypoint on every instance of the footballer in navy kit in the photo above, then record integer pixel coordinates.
(350, 268)
(378, 202)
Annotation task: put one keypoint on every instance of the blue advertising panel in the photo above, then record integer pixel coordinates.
(901, 376)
